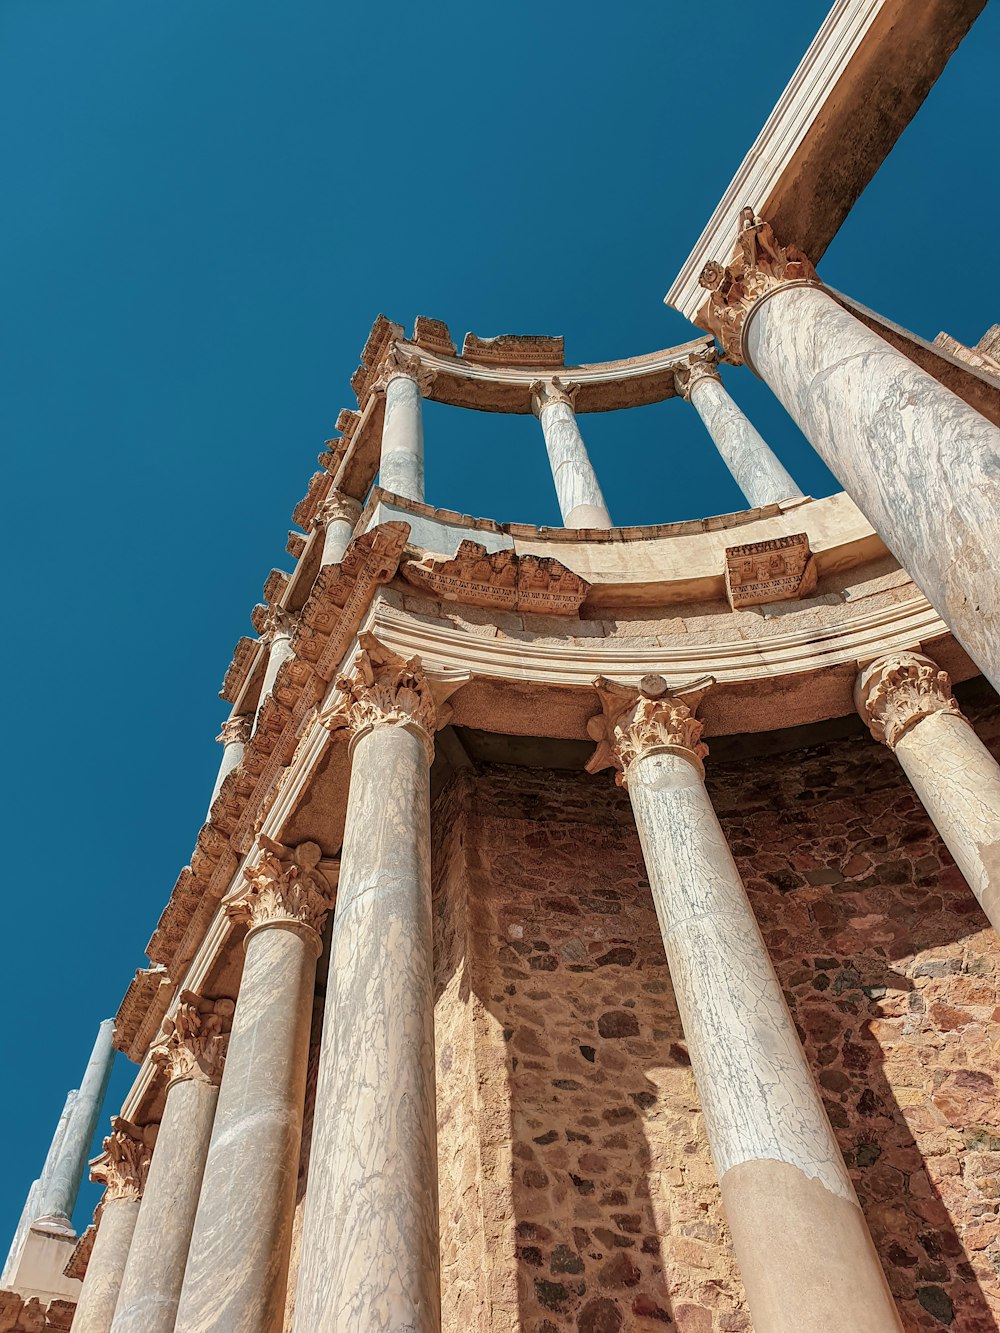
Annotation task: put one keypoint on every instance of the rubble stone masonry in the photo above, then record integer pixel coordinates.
(576, 1187)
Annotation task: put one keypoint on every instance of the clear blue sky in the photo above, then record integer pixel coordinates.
(206, 206)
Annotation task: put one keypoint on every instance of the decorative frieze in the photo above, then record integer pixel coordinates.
(384, 690)
(193, 1041)
(285, 885)
(897, 690)
(124, 1164)
(636, 721)
(433, 335)
(141, 1011)
(514, 349)
(760, 265)
(772, 571)
(501, 580)
(546, 392)
(701, 365)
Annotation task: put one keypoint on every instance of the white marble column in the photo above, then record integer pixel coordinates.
(237, 1268)
(337, 516)
(401, 463)
(920, 463)
(754, 466)
(906, 700)
(369, 1260)
(30, 1210)
(807, 1260)
(580, 500)
(278, 631)
(123, 1166)
(191, 1052)
(233, 738)
(58, 1193)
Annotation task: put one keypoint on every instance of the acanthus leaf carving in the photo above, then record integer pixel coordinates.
(384, 689)
(898, 690)
(702, 365)
(634, 722)
(337, 506)
(284, 885)
(555, 390)
(192, 1042)
(124, 1163)
(760, 265)
(235, 730)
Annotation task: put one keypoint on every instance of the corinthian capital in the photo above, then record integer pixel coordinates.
(385, 690)
(235, 730)
(897, 690)
(192, 1044)
(336, 506)
(275, 622)
(546, 392)
(124, 1164)
(636, 722)
(760, 265)
(398, 364)
(284, 885)
(699, 366)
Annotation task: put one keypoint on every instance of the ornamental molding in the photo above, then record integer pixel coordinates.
(285, 886)
(382, 689)
(124, 1163)
(193, 1042)
(545, 393)
(236, 730)
(703, 365)
(898, 690)
(777, 570)
(637, 721)
(501, 580)
(760, 265)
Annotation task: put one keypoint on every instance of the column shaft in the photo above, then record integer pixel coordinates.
(401, 467)
(233, 737)
(237, 1265)
(30, 1210)
(279, 651)
(755, 468)
(807, 1259)
(922, 465)
(370, 1237)
(102, 1283)
(154, 1273)
(581, 503)
(58, 1193)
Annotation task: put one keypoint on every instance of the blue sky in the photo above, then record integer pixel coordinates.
(206, 206)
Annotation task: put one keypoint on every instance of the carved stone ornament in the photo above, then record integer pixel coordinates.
(771, 571)
(285, 885)
(546, 392)
(759, 266)
(399, 364)
(124, 1164)
(272, 622)
(699, 366)
(499, 579)
(385, 690)
(235, 730)
(192, 1043)
(634, 722)
(897, 690)
(337, 506)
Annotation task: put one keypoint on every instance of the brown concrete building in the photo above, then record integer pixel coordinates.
(594, 928)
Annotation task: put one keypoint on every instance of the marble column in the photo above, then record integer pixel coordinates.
(191, 1052)
(59, 1190)
(30, 1210)
(369, 1257)
(906, 700)
(807, 1260)
(237, 1268)
(337, 517)
(920, 463)
(123, 1166)
(233, 737)
(580, 500)
(755, 468)
(278, 630)
(401, 463)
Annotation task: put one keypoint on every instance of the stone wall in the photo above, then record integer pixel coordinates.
(576, 1187)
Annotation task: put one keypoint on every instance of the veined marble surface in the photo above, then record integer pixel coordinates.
(576, 484)
(401, 466)
(921, 465)
(96, 1306)
(370, 1233)
(756, 469)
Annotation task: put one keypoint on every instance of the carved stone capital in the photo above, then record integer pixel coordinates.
(192, 1043)
(546, 392)
(896, 691)
(633, 723)
(274, 622)
(285, 885)
(235, 730)
(699, 366)
(336, 506)
(397, 364)
(124, 1164)
(759, 266)
(384, 690)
